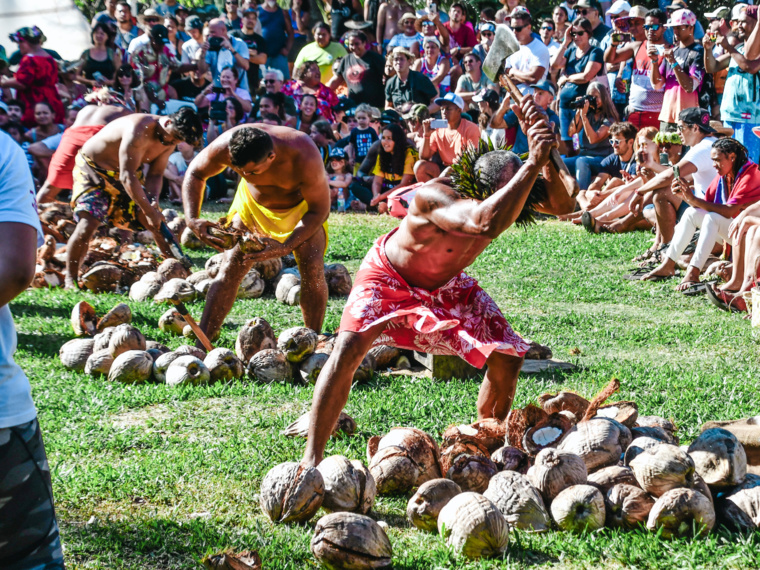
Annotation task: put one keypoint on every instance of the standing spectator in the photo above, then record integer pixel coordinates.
(361, 70)
(126, 30)
(182, 14)
(149, 19)
(571, 13)
(505, 12)
(581, 63)
(323, 50)
(620, 69)
(448, 142)
(462, 36)
(36, 76)
(222, 51)
(100, 62)
(307, 82)
(408, 38)
(486, 31)
(342, 11)
(414, 119)
(274, 104)
(431, 9)
(234, 115)
(547, 36)
(530, 64)
(473, 79)
(430, 26)
(363, 136)
(434, 65)
(394, 167)
(278, 35)
(589, 9)
(167, 8)
(561, 23)
(107, 16)
(407, 87)
(699, 31)
(231, 16)
(389, 14)
(229, 90)
(256, 46)
(194, 27)
(299, 21)
(681, 71)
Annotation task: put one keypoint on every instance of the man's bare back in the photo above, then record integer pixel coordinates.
(94, 115)
(388, 17)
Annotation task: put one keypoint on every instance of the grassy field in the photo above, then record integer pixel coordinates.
(155, 478)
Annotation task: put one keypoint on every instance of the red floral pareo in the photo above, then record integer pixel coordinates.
(39, 74)
(326, 97)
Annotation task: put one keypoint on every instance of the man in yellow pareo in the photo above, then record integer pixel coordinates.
(283, 197)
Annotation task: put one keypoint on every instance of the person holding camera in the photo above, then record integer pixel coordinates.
(233, 116)
(580, 63)
(215, 97)
(222, 51)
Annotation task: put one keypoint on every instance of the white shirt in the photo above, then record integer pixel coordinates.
(141, 41)
(553, 48)
(189, 50)
(699, 156)
(535, 54)
(17, 204)
(179, 162)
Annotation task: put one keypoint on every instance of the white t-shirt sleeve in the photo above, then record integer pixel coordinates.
(699, 156)
(18, 201)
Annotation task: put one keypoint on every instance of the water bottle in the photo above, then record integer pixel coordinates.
(341, 203)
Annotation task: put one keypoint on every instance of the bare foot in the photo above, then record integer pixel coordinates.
(665, 270)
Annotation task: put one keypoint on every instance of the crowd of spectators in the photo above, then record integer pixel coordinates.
(656, 114)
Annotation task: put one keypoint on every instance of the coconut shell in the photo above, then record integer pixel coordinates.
(195, 351)
(297, 343)
(423, 508)
(74, 354)
(285, 283)
(554, 471)
(143, 290)
(657, 421)
(291, 493)
(654, 432)
(312, 366)
(252, 286)
(214, 264)
(256, 335)
(224, 365)
(103, 339)
(197, 277)
(608, 477)
(554, 403)
(473, 526)
(747, 432)
(338, 280)
(270, 365)
(131, 367)
(177, 226)
(538, 352)
(102, 278)
(509, 458)
(157, 346)
(346, 425)
(161, 364)
(599, 441)
(172, 269)
(385, 356)
(739, 508)
(679, 512)
(269, 268)
(637, 446)
(402, 459)
(627, 507)
(99, 363)
(519, 501)
(546, 433)
(662, 468)
(119, 315)
(172, 322)
(520, 421)
(489, 433)
(579, 508)
(83, 319)
(624, 412)
(125, 337)
(176, 290)
(365, 370)
(191, 241)
(719, 458)
(350, 541)
(349, 485)
(187, 370)
(469, 465)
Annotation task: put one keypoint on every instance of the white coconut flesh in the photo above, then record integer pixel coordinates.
(546, 435)
(610, 412)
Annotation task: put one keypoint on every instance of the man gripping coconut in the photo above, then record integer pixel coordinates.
(410, 291)
(283, 198)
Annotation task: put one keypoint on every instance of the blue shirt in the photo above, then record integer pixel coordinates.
(740, 95)
(521, 140)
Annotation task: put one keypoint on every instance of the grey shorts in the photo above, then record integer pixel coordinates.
(29, 537)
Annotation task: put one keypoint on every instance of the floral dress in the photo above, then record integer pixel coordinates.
(326, 97)
(39, 74)
(155, 69)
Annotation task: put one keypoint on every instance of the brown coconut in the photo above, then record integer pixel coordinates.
(131, 367)
(345, 425)
(288, 290)
(654, 432)
(469, 465)
(599, 441)
(297, 343)
(719, 458)
(187, 370)
(102, 278)
(157, 346)
(554, 403)
(739, 508)
(547, 433)
(125, 337)
(197, 277)
(349, 485)
(191, 241)
(637, 446)
(473, 526)
(270, 365)
(365, 370)
(627, 506)
(509, 458)
(119, 315)
(747, 431)
(161, 364)
(74, 353)
(175, 290)
(198, 353)
(385, 356)
(489, 433)
(579, 508)
(99, 363)
(311, 367)
(269, 268)
(608, 477)
(663, 467)
(256, 335)
(657, 421)
(520, 421)
(624, 412)
(350, 541)
(177, 226)
(172, 322)
(424, 506)
(555, 470)
(291, 493)
(214, 264)
(402, 459)
(172, 269)
(84, 321)
(252, 286)
(338, 280)
(519, 501)
(224, 365)
(681, 512)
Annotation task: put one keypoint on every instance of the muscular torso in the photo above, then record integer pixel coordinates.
(94, 115)
(104, 147)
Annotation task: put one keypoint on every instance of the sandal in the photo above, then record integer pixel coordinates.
(727, 300)
(589, 222)
(637, 274)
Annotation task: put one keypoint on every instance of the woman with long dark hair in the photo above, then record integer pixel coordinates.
(100, 62)
(126, 84)
(323, 136)
(308, 113)
(394, 167)
(275, 103)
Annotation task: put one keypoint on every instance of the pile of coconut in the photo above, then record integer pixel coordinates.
(568, 464)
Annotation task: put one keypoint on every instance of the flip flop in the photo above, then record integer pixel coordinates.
(695, 288)
(589, 222)
(720, 300)
(658, 278)
(636, 274)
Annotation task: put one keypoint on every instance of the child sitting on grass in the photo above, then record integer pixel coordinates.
(339, 177)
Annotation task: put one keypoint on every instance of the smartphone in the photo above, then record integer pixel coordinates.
(660, 49)
(439, 124)
(676, 172)
(621, 37)
(664, 160)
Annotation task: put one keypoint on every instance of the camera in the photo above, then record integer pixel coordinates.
(215, 43)
(579, 102)
(218, 111)
(621, 37)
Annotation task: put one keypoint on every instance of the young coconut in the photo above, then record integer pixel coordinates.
(599, 441)
(473, 526)
(739, 508)
(402, 459)
(519, 501)
(423, 508)
(579, 508)
(349, 486)
(547, 433)
(187, 370)
(554, 403)
(290, 493)
(83, 319)
(269, 268)
(191, 241)
(488, 433)
(297, 343)
(172, 269)
(102, 278)
(131, 367)
(252, 286)
(99, 363)
(627, 507)
(74, 353)
(171, 322)
(637, 446)
(198, 353)
(119, 315)
(349, 540)
(175, 290)
(682, 512)
(125, 337)
(312, 366)
(288, 289)
(624, 412)
(161, 364)
(224, 365)
(608, 477)
(555, 470)
(511, 459)
(719, 458)
(662, 468)
(338, 280)
(256, 335)
(469, 465)
(346, 425)
(270, 365)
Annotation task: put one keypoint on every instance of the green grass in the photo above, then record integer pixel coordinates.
(173, 474)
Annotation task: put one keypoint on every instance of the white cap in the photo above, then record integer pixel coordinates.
(738, 10)
(619, 7)
(451, 97)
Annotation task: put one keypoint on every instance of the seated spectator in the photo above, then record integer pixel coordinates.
(430, 26)
(592, 124)
(744, 233)
(175, 40)
(508, 7)
(191, 47)
(275, 103)
(407, 87)
(15, 130)
(434, 65)
(323, 136)
(323, 50)
(229, 89)
(234, 115)
(472, 81)
(543, 95)
(192, 85)
(339, 177)
(486, 33)
(361, 71)
(16, 110)
(414, 119)
(532, 61)
(45, 126)
(547, 36)
(394, 167)
(307, 82)
(176, 168)
(100, 62)
(154, 61)
(127, 84)
(488, 107)
(69, 90)
(449, 142)
(308, 114)
(270, 119)
(274, 81)
(409, 38)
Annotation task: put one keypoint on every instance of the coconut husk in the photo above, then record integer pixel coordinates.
(270, 365)
(520, 421)
(384, 355)
(628, 507)
(119, 315)
(538, 351)
(125, 337)
(510, 458)
(252, 286)
(608, 477)
(611, 387)
(175, 290)
(344, 426)
(654, 432)
(349, 486)
(254, 336)
(423, 508)
(473, 526)
(488, 433)
(99, 363)
(248, 560)
(195, 351)
(187, 370)
(338, 280)
(469, 465)
(579, 509)
(172, 269)
(84, 319)
(224, 365)
(570, 401)
(519, 502)
(47, 278)
(189, 240)
(46, 251)
(131, 367)
(638, 446)
(52, 231)
(739, 508)
(402, 459)
(350, 540)
(291, 493)
(625, 412)
(719, 458)
(546, 433)
(747, 432)
(311, 368)
(102, 278)
(679, 512)
(599, 441)
(554, 471)
(288, 288)
(297, 343)
(74, 354)
(365, 371)
(662, 468)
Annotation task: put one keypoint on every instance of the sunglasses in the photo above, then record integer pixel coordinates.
(615, 142)
(486, 34)
(518, 29)
(270, 81)
(374, 121)
(585, 11)
(547, 28)
(231, 3)
(653, 27)
(576, 34)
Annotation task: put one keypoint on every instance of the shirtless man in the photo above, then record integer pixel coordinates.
(412, 280)
(283, 197)
(108, 178)
(388, 20)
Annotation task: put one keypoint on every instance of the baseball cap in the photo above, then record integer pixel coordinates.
(619, 7)
(194, 23)
(682, 17)
(487, 27)
(520, 12)
(698, 117)
(587, 4)
(390, 116)
(737, 10)
(487, 95)
(452, 98)
(337, 152)
(159, 33)
(151, 13)
(419, 111)
(721, 12)
(638, 12)
(545, 85)
(431, 40)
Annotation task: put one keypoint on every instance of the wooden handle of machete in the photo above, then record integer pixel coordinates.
(182, 310)
(568, 180)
